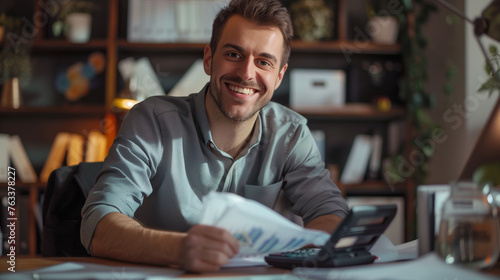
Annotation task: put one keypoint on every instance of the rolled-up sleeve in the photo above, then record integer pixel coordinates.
(124, 180)
(307, 182)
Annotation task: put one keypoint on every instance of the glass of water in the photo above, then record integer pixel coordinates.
(468, 231)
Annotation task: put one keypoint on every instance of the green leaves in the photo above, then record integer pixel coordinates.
(493, 81)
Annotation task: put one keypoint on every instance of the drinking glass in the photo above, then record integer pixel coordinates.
(468, 231)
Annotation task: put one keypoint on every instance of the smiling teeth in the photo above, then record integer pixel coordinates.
(247, 91)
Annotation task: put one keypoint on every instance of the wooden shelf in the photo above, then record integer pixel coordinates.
(297, 46)
(81, 111)
(370, 187)
(354, 111)
(64, 45)
(124, 45)
(345, 46)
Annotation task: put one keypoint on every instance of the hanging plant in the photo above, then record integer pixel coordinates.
(493, 82)
(413, 163)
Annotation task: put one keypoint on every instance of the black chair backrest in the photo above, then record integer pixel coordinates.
(65, 195)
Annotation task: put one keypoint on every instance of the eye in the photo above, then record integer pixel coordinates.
(265, 63)
(233, 55)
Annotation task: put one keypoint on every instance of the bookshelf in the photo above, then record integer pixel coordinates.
(38, 123)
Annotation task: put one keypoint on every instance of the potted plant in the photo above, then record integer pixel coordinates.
(383, 25)
(74, 21)
(312, 20)
(15, 65)
(8, 23)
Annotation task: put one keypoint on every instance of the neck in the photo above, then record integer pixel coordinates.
(230, 136)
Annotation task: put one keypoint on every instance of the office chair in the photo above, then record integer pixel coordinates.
(65, 195)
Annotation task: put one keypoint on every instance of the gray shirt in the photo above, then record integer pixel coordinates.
(163, 161)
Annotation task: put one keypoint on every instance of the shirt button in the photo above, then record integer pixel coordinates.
(211, 145)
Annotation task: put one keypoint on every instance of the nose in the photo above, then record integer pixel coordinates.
(246, 70)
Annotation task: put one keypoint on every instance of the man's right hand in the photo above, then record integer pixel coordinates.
(207, 248)
(202, 249)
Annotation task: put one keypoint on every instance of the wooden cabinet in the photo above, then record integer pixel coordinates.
(47, 113)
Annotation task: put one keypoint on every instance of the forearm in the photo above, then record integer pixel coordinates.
(118, 236)
(327, 223)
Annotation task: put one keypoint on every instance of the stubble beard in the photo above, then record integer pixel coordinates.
(235, 118)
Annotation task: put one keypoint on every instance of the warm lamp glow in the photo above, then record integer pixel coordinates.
(124, 103)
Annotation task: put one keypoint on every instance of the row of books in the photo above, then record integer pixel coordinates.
(67, 148)
(162, 21)
(364, 158)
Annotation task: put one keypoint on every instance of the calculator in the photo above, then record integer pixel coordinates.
(348, 245)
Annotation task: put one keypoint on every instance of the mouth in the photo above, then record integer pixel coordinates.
(242, 90)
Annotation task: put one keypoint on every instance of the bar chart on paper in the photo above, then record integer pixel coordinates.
(258, 229)
(262, 243)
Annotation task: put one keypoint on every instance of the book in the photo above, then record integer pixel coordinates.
(376, 158)
(357, 162)
(56, 155)
(4, 157)
(20, 160)
(75, 150)
(96, 147)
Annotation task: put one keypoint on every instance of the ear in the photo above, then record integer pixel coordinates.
(280, 76)
(207, 60)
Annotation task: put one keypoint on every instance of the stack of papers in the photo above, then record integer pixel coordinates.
(259, 229)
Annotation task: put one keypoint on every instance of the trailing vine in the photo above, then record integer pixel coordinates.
(413, 163)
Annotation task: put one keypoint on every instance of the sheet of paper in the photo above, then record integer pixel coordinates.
(428, 267)
(81, 271)
(259, 229)
(253, 277)
(246, 261)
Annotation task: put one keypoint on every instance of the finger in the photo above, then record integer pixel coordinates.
(203, 259)
(218, 236)
(200, 242)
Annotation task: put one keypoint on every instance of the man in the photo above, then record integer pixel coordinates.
(170, 152)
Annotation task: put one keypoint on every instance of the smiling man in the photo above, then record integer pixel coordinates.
(229, 137)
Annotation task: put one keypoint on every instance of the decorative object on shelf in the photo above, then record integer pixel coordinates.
(312, 20)
(8, 23)
(383, 26)
(383, 103)
(15, 63)
(75, 21)
(11, 94)
(75, 82)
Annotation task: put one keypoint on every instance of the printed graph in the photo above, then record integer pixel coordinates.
(260, 242)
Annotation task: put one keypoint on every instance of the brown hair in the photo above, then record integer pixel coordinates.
(261, 12)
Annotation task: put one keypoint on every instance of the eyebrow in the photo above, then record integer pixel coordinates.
(238, 48)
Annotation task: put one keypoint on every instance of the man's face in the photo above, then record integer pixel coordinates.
(245, 68)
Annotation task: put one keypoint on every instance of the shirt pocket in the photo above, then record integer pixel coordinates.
(266, 195)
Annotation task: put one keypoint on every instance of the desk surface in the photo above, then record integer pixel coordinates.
(26, 263)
